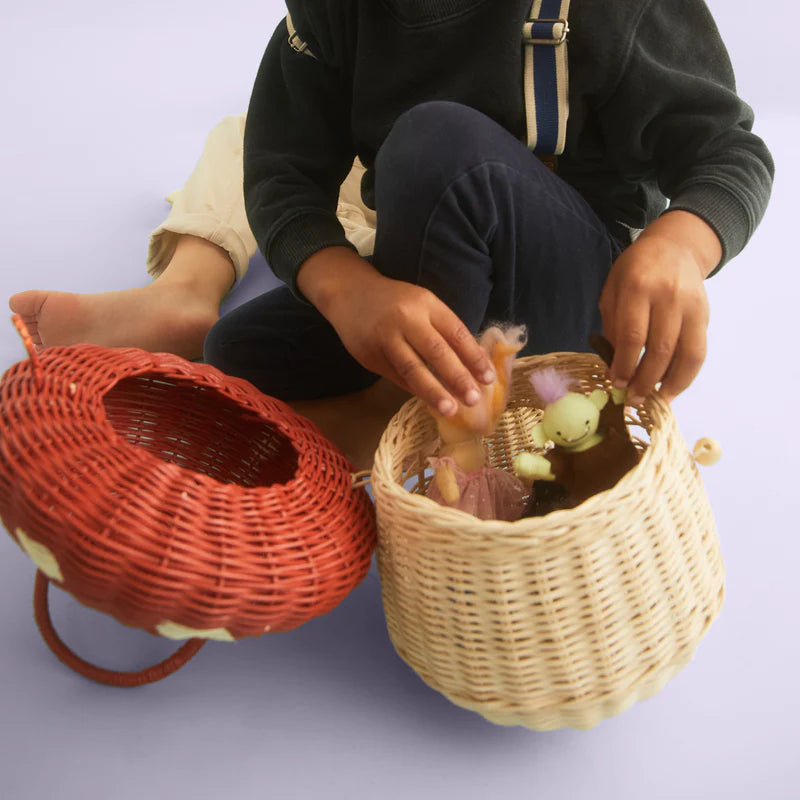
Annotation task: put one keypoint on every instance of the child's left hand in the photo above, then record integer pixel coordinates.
(655, 299)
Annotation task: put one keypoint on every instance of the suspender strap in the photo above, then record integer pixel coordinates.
(546, 82)
(546, 79)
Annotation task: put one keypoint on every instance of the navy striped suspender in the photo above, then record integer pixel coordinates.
(546, 76)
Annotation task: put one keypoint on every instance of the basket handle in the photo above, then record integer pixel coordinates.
(41, 612)
(706, 451)
(361, 478)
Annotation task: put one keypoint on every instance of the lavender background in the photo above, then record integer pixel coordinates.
(105, 108)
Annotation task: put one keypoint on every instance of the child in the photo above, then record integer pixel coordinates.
(471, 226)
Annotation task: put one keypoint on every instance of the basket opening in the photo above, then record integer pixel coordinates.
(513, 435)
(201, 429)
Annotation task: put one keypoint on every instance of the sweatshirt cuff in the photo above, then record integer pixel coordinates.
(723, 211)
(298, 239)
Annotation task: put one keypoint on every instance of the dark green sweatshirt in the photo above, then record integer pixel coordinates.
(653, 110)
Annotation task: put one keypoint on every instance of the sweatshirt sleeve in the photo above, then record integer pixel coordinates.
(297, 148)
(675, 112)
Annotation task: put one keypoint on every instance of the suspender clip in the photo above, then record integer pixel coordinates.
(297, 44)
(545, 31)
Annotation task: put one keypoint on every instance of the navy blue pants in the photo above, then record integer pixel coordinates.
(465, 210)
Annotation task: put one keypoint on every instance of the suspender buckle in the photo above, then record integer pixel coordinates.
(297, 44)
(545, 31)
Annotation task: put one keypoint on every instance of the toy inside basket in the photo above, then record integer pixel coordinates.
(173, 498)
(554, 621)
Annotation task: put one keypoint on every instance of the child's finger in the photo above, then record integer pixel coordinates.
(631, 325)
(689, 357)
(662, 339)
(464, 346)
(608, 310)
(435, 351)
(412, 374)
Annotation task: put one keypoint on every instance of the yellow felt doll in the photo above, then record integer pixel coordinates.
(591, 448)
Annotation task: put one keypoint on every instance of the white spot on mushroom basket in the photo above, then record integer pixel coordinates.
(173, 630)
(42, 556)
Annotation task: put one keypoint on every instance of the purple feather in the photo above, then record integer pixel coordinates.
(549, 384)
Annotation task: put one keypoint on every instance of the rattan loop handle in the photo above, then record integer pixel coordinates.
(360, 479)
(25, 335)
(152, 674)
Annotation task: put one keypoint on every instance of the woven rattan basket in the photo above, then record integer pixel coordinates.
(174, 498)
(555, 621)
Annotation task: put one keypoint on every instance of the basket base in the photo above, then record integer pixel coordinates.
(579, 715)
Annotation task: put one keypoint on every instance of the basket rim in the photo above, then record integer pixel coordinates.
(130, 362)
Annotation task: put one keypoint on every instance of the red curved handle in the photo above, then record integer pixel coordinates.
(41, 613)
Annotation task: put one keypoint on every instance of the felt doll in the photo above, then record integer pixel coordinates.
(462, 479)
(591, 449)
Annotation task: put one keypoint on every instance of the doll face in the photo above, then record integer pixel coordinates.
(571, 420)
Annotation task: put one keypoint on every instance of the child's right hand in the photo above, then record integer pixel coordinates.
(397, 329)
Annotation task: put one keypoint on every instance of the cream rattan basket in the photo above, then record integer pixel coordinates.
(555, 621)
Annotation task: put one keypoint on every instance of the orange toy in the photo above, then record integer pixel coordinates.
(174, 498)
(463, 478)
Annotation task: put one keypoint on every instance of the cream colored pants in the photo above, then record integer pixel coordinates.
(211, 205)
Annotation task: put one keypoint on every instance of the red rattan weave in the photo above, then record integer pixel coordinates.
(167, 492)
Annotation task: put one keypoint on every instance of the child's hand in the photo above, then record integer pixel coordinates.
(655, 299)
(407, 334)
(397, 330)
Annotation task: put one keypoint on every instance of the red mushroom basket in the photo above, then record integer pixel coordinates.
(174, 498)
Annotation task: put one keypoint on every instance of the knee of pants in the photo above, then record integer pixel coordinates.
(435, 141)
(216, 349)
(241, 347)
(285, 349)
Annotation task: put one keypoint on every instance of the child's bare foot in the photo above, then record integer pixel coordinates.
(171, 315)
(161, 317)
